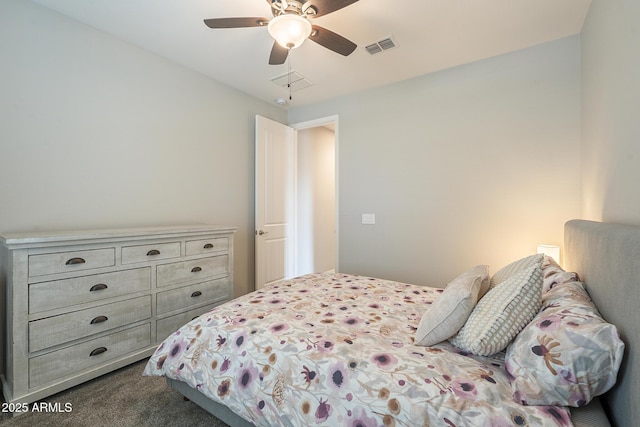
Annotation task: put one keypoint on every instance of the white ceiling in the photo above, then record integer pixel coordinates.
(431, 35)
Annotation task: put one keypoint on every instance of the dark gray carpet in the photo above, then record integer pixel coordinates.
(121, 398)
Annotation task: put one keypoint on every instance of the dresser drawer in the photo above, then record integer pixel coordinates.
(78, 324)
(145, 253)
(200, 293)
(74, 359)
(65, 293)
(169, 325)
(197, 247)
(64, 262)
(178, 272)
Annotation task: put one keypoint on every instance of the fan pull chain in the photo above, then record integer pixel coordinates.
(289, 74)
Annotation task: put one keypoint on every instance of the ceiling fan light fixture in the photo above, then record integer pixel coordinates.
(289, 30)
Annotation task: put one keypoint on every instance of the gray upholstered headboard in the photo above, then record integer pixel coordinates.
(607, 258)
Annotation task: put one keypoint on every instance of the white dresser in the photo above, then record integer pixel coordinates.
(79, 304)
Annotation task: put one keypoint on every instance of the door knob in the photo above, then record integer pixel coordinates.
(260, 233)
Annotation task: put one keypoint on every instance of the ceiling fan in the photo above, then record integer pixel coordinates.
(291, 26)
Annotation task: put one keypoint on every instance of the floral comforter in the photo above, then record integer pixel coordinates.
(337, 350)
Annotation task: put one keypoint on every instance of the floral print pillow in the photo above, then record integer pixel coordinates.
(567, 355)
(554, 275)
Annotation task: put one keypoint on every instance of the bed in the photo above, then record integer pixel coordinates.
(340, 349)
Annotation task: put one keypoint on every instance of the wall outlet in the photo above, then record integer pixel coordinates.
(368, 218)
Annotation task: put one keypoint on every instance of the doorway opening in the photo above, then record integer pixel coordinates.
(296, 199)
(316, 188)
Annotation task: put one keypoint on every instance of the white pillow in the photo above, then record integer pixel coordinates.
(448, 313)
(502, 313)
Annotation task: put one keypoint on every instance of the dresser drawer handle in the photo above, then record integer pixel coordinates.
(98, 351)
(196, 269)
(74, 261)
(196, 294)
(153, 252)
(208, 246)
(99, 319)
(98, 287)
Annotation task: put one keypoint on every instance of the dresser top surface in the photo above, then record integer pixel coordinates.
(37, 238)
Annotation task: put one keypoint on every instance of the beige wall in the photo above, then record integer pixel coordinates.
(97, 133)
(611, 112)
(476, 164)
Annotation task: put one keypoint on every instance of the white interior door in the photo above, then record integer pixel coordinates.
(275, 201)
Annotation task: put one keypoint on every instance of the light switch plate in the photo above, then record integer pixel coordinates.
(368, 218)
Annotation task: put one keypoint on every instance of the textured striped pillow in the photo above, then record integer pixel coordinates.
(502, 313)
(509, 270)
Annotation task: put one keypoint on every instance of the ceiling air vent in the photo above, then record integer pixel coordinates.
(297, 80)
(380, 46)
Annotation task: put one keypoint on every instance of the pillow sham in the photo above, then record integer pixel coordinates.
(555, 275)
(502, 313)
(451, 309)
(515, 267)
(567, 355)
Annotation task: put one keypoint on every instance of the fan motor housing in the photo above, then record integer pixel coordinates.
(293, 7)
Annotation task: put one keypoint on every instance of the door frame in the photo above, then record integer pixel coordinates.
(324, 121)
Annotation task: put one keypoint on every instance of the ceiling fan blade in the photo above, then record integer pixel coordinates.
(236, 22)
(332, 41)
(325, 7)
(278, 54)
